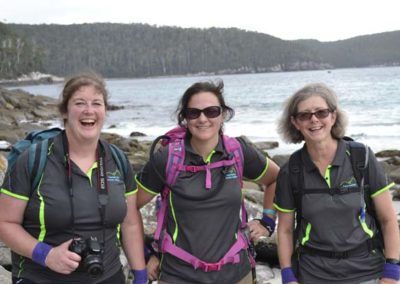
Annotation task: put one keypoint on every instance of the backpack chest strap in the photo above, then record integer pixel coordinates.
(207, 168)
(232, 256)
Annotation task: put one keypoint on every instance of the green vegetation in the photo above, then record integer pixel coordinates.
(17, 55)
(138, 50)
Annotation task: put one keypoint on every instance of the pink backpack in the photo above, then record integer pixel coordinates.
(175, 141)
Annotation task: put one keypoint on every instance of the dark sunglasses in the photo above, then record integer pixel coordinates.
(322, 113)
(210, 112)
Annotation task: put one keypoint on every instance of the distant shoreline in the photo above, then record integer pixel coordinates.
(33, 78)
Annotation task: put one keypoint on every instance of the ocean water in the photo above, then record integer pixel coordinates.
(370, 97)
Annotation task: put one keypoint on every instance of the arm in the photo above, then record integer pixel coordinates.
(11, 231)
(387, 218)
(268, 180)
(285, 245)
(58, 259)
(132, 236)
(143, 197)
(285, 238)
(390, 230)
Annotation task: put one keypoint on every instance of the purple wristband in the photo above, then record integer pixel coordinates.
(392, 271)
(40, 253)
(268, 224)
(139, 276)
(288, 275)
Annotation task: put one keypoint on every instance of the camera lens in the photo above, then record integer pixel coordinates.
(95, 269)
(93, 264)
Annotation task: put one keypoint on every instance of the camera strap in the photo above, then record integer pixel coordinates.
(101, 183)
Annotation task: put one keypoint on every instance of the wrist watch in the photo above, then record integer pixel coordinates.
(392, 261)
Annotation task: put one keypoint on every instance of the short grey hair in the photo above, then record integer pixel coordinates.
(288, 131)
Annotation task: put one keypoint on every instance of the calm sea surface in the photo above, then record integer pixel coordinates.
(371, 98)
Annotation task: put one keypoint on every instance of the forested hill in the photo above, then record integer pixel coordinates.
(138, 50)
(17, 55)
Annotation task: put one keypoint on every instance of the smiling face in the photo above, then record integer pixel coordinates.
(314, 129)
(85, 114)
(203, 128)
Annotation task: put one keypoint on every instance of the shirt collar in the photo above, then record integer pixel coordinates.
(337, 160)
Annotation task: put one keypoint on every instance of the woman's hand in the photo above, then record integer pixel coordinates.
(257, 230)
(60, 259)
(153, 267)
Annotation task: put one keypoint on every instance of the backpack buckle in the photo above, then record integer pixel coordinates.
(212, 267)
(191, 169)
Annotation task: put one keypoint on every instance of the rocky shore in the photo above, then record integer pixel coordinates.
(21, 112)
(33, 78)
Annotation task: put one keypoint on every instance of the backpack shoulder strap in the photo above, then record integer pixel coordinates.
(359, 161)
(296, 179)
(121, 160)
(37, 159)
(176, 157)
(296, 176)
(233, 147)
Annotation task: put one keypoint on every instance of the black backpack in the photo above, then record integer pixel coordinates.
(359, 161)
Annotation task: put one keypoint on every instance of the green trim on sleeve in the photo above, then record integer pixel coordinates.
(145, 188)
(283, 209)
(383, 189)
(132, 192)
(264, 171)
(9, 193)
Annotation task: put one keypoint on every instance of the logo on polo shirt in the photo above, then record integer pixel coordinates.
(114, 176)
(230, 173)
(350, 183)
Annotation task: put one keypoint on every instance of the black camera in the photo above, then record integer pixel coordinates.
(91, 253)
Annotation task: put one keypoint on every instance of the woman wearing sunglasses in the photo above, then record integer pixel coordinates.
(203, 219)
(336, 238)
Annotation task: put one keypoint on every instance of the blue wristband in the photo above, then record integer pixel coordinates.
(288, 275)
(40, 253)
(269, 212)
(392, 271)
(139, 276)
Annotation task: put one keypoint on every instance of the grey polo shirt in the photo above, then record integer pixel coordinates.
(205, 222)
(332, 223)
(48, 213)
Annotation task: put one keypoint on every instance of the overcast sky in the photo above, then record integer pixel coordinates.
(324, 20)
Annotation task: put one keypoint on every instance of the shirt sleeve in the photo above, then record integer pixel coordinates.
(378, 180)
(284, 198)
(255, 162)
(17, 181)
(152, 177)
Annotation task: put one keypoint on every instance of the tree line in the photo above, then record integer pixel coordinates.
(140, 50)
